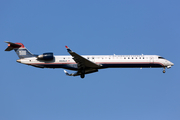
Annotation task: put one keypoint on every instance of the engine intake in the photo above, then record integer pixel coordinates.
(46, 56)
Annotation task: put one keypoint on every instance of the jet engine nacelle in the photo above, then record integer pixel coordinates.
(46, 56)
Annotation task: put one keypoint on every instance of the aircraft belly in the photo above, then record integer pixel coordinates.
(65, 66)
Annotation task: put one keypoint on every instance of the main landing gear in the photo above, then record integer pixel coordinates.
(82, 73)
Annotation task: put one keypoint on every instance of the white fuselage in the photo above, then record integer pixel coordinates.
(86, 64)
(105, 61)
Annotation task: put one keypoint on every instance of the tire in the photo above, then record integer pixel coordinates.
(82, 75)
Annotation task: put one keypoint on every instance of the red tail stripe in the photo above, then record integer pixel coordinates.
(22, 46)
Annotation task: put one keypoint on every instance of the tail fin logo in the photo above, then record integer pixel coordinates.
(22, 52)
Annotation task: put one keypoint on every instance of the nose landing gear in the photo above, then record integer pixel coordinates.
(164, 71)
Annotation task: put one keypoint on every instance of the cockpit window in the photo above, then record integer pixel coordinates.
(161, 58)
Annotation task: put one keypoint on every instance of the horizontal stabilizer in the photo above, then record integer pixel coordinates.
(11, 46)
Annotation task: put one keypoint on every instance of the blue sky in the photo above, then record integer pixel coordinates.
(90, 27)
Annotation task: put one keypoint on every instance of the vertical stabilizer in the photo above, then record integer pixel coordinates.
(20, 50)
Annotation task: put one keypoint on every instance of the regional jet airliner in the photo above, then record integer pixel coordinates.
(85, 64)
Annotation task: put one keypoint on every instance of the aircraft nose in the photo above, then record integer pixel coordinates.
(170, 63)
(19, 60)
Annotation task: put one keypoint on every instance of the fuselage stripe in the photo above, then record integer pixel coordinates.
(133, 63)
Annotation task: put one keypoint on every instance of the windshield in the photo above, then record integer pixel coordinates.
(161, 58)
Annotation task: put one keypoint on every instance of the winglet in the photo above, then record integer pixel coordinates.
(69, 50)
(68, 73)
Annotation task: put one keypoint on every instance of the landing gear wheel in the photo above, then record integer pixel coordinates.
(164, 71)
(82, 75)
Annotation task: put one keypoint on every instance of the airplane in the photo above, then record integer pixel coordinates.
(86, 64)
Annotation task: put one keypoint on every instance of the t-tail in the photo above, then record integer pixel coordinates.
(20, 50)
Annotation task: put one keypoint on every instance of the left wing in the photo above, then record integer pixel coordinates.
(87, 71)
(81, 61)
